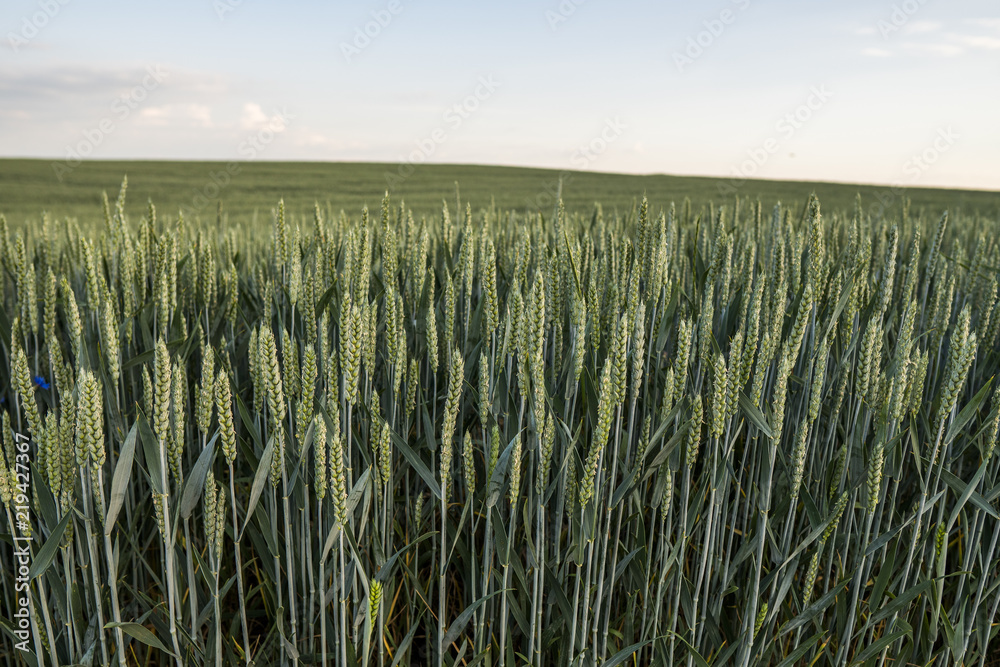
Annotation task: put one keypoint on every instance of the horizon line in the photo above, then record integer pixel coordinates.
(482, 165)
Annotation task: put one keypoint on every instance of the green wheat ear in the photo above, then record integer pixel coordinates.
(224, 407)
(161, 392)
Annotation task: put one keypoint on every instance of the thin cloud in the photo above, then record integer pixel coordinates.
(255, 118)
(875, 53)
(921, 27)
(316, 140)
(67, 82)
(978, 41)
(936, 48)
(78, 86)
(176, 115)
(993, 23)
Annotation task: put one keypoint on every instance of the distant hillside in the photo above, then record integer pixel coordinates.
(28, 187)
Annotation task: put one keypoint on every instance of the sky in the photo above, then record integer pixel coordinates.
(902, 92)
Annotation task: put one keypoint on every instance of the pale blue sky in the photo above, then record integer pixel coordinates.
(901, 92)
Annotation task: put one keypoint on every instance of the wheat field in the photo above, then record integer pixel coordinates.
(670, 435)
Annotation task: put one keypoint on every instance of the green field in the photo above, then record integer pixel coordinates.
(452, 434)
(28, 187)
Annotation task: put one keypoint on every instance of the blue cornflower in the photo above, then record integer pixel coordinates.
(40, 381)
